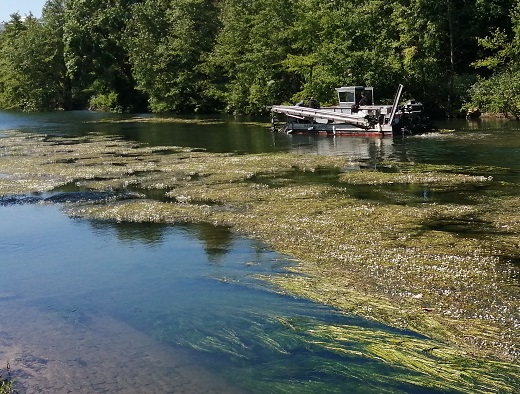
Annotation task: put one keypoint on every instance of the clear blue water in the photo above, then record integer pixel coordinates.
(189, 290)
(180, 286)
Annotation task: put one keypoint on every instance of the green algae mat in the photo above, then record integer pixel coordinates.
(448, 271)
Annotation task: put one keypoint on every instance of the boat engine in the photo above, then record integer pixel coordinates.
(413, 120)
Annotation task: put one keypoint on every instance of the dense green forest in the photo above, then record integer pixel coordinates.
(241, 56)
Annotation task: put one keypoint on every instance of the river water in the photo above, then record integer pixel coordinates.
(91, 306)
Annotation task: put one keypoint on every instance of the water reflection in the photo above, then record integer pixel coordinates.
(131, 232)
(496, 144)
(214, 134)
(375, 148)
(217, 241)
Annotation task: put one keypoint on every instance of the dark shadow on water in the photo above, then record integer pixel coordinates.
(466, 226)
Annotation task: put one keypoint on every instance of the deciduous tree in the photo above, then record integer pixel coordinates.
(32, 72)
(167, 42)
(96, 59)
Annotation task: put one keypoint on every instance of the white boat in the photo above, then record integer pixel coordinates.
(355, 114)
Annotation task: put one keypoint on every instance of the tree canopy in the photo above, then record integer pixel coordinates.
(244, 55)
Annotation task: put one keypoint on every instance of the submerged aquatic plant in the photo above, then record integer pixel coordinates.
(445, 270)
(6, 384)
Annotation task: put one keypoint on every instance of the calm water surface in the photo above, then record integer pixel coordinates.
(90, 306)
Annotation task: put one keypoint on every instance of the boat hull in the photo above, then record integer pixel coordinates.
(335, 129)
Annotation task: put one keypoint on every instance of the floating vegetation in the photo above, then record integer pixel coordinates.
(156, 119)
(421, 168)
(256, 124)
(446, 270)
(176, 120)
(437, 366)
(429, 177)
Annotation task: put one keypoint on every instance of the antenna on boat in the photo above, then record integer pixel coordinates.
(396, 103)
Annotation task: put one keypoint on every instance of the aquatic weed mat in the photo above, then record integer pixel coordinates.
(177, 120)
(161, 119)
(406, 266)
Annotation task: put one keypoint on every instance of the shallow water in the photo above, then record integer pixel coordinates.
(82, 296)
(91, 306)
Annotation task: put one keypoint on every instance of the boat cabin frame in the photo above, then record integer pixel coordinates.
(349, 96)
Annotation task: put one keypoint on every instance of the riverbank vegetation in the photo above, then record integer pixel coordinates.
(242, 56)
(445, 270)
